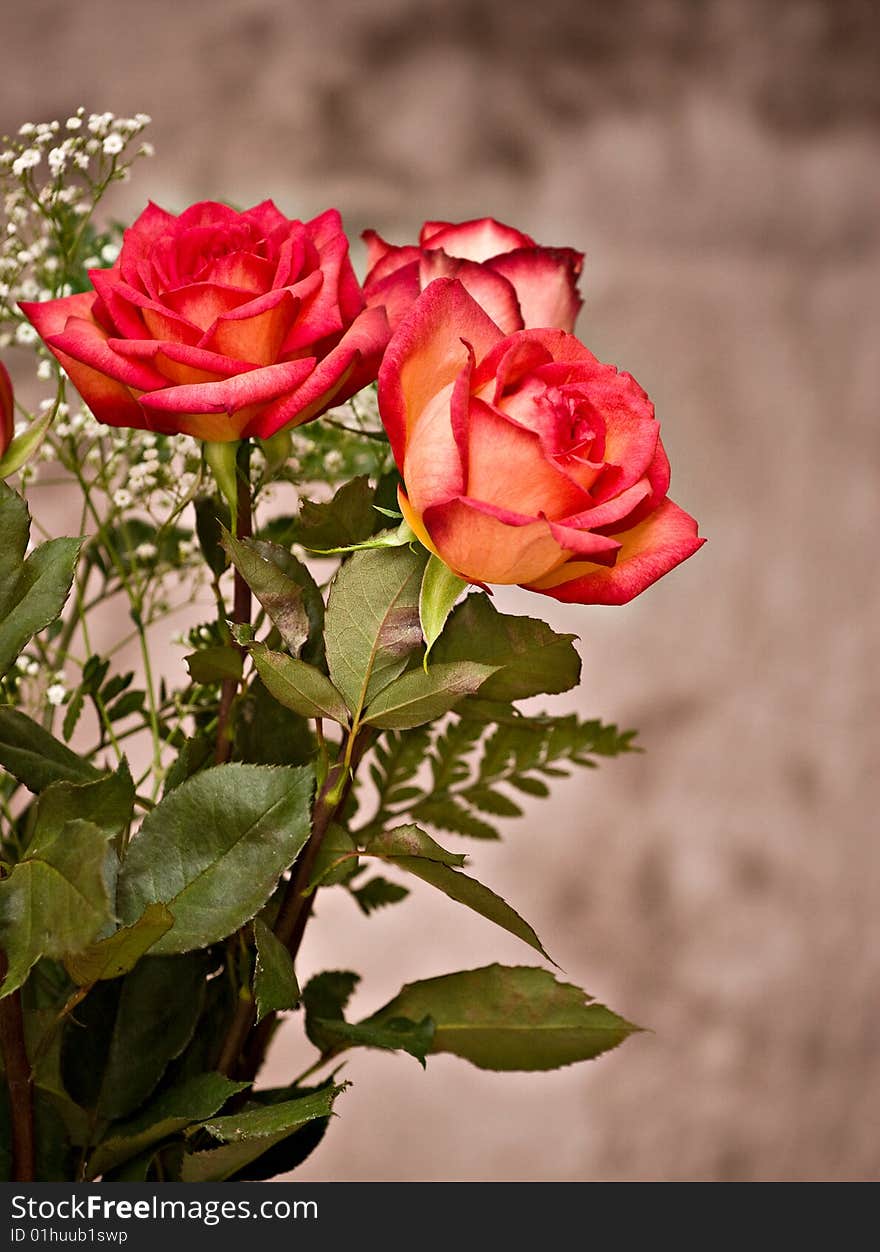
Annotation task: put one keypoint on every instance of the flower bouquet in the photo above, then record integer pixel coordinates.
(339, 473)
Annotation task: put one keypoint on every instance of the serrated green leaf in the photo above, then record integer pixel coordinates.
(33, 591)
(447, 813)
(463, 889)
(439, 591)
(335, 845)
(410, 841)
(510, 1018)
(419, 697)
(194, 753)
(346, 519)
(372, 625)
(175, 1109)
(214, 664)
(252, 1132)
(267, 733)
(396, 1034)
(298, 686)
(377, 893)
(324, 997)
(121, 951)
(214, 848)
(313, 601)
(279, 595)
(55, 901)
(107, 802)
(530, 658)
(275, 985)
(118, 1044)
(489, 801)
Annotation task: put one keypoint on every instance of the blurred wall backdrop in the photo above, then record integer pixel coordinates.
(718, 163)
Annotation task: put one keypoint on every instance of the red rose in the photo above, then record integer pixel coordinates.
(7, 410)
(516, 281)
(218, 324)
(525, 459)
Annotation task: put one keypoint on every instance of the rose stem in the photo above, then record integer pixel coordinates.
(18, 1080)
(293, 915)
(241, 603)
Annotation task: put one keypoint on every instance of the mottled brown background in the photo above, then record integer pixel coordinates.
(718, 163)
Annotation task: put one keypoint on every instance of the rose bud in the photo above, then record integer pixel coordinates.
(516, 281)
(7, 410)
(525, 459)
(218, 324)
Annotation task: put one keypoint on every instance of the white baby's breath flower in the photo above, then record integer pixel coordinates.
(30, 158)
(56, 693)
(44, 371)
(145, 551)
(74, 123)
(122, 498)
(113, 144)
(25, 334)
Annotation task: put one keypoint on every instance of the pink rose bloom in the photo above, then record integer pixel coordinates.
(519, 283)
(525, 459)
(218, 324)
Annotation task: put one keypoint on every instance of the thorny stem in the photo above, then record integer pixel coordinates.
(18, 1080)
(241, 603)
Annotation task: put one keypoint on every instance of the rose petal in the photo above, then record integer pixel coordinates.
(490, 290)
(7, 409)
(490, 545)
(507, 466)
(342, 373)
(427, 353)
(84, 341)
(650, 550)
(476, 240)
(545, 281)
(255, 331)
(178, 363)
(259, 386)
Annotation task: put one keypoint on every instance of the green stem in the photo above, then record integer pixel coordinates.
(241, 606)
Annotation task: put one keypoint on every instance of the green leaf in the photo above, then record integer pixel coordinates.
(279, 595)
(291, 1151)
(108, 803)
(213, 664)
(346, 519)
(35, 757)
(377, 893)
(372, 624)
(25, 445)
(417, 853)
(298, 686)
(118, 1044)
(335, 845)
(55, 901)
(439, 591)
(505, 1018)
(324, 998)
(250, 1133)
(72, 714)
(194, 754)
(121, 951)
(214, 848)
(419, 697)
(33, 590)
(489, 801)
(267, 733)
(175, 1109)
(410, 841)
(275, 985)
(530, 658)
(212, 517)
(395, 1034)
(312, 599)
(448, 813)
